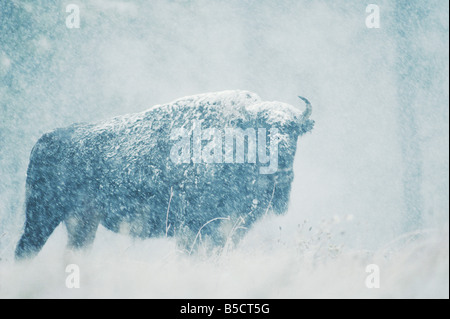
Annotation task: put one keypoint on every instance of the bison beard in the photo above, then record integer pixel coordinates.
(119, 173)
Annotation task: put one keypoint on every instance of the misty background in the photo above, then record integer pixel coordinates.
(377, 161)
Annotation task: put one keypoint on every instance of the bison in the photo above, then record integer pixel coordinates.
(174, 170)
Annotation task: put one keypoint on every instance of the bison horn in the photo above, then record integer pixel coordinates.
(307, 113)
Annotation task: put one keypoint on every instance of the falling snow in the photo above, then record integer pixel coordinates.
(371, 181)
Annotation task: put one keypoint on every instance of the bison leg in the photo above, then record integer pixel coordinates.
(41, 220)
(81, 228)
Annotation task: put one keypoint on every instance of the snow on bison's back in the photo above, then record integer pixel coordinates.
(166, 171)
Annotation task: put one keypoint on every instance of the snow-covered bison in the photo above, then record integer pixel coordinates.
(174, 170)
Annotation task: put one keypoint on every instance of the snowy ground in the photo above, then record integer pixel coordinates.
(300, 262)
